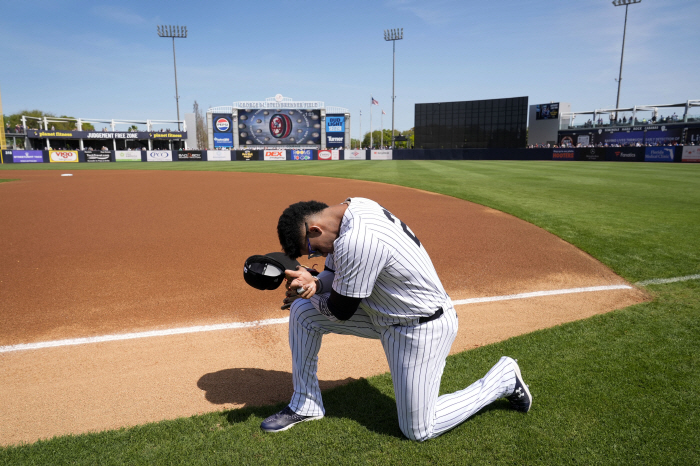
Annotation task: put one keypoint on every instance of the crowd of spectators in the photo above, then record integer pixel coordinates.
(613, 121)
(638, 144)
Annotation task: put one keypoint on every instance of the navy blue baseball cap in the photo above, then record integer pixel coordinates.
(267, 272)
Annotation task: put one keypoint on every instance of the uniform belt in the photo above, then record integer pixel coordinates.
(437, 314)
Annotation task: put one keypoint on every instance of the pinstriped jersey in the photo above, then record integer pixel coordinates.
(378, 258)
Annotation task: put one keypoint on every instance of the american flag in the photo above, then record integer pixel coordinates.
(383, 112)
(374, 101)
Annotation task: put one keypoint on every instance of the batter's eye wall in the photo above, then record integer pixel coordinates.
(475, 124)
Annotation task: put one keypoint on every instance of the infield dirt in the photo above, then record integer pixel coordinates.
(111, 252)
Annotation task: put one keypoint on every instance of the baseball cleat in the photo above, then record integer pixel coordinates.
(520, 399)
(284, 420)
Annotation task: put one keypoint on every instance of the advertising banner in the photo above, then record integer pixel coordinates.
(222, 123)
(590, 154)
(275, 154)
(335, 139)
(189, 155)
(625, 154)
(335, 123)
(218, 155)
(63, 156)
(547, 111)
(26, 156)
(693, 136)
(101, 135)
(335, 130)
(282, 126)
(616, 137)
(658, 154)
(380, 155)
(302, 154)
(159, 156)
(327, 154)
(690, 154)
(247, 155)
(97, 156)
(127, 156)
(563, 154)
(223, 130)
(223, 140)
(356, 154)
(664, 136)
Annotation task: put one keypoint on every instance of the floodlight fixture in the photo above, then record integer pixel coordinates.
(176, 32)
(393, 35)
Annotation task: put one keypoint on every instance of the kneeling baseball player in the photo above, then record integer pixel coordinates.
(378, 282)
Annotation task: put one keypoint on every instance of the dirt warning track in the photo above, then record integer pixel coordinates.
(112, 252)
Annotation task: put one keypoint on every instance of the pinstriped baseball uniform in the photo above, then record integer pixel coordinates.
(378, 258)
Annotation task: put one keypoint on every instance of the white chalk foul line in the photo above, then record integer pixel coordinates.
(132, 336)
(257, 323)
(537, 294)
(659, 281)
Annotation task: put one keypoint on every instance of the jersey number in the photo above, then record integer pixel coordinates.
(403, 225)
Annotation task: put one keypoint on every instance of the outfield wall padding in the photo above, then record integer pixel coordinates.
(609, 154)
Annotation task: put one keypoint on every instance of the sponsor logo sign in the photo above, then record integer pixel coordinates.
(335, 139)
(302, 154)
(625, 154)
(335, 123)
(590, 154)
(222, 124)
(63, 155)
(26, 156)
(189, 155)
(380, 155)
(563, 154)
(658, 154)
(219, 155)
(159, 156)
(223, 140)
(329, 154)
(356, 154)
(691, 154)
(127, 156)
(97, 155)
(247, 155)
(101, 135)
(276, 154)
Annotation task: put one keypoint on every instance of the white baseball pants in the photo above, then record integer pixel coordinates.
(416, 357)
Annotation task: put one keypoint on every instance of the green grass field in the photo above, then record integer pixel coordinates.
(619, 388)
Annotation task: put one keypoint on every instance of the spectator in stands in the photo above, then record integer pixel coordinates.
(7, 128)
(624, 120)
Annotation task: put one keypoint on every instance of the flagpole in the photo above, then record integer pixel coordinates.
(359, 144)
(370, 124)
(381, 119)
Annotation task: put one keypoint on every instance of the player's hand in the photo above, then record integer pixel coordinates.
(300, 282)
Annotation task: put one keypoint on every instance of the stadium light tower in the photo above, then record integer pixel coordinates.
(179, 32)
(393, 35)
(627, 3)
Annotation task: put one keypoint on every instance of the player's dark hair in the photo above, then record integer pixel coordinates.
(291, 225)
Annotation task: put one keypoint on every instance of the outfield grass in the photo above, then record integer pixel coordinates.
(619, 388)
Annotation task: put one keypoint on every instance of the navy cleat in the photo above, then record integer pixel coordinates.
(284, 420)
(520, 399)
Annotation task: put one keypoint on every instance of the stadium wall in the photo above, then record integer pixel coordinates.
(668, 154)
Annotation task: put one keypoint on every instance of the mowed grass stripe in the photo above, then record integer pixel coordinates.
(619, 388)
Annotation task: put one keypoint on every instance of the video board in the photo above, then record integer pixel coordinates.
(265, 127)
(547, 111)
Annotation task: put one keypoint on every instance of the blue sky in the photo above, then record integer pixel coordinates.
(105, 60)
